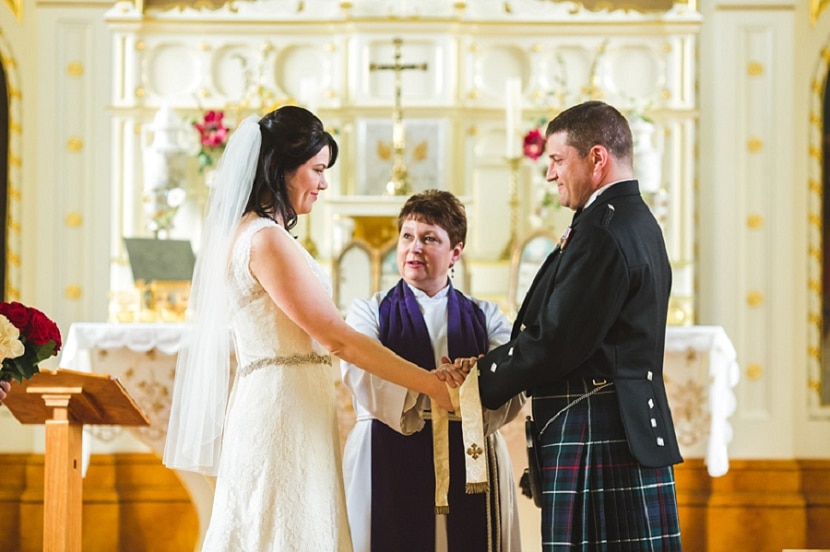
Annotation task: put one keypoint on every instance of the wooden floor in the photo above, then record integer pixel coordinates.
(132, 503)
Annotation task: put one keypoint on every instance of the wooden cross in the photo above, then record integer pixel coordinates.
(398, 185)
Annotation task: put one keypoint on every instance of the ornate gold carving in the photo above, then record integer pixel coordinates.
(681, 311)
(15, 161)
(14, 93)
(16, 7)
(755, 69)
(814, 285)
(473, 94)
(74, 144)
(139, 45)
(815, 186)
(13, 259)
(74, 220)
(816, 7)
(814, 353)
(139, 92)
(754, 145)
(814, 385)
(375, 230)
(755, 221)
(815, 153)
(72, 292)
(754, 371)
(75, 69)
(536, 47)
(474, 46)
(754, 298)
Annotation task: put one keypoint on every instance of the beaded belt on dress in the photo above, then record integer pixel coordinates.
(287, 360)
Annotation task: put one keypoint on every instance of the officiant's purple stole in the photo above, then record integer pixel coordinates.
(403, 480)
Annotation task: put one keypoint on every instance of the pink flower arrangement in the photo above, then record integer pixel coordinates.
(534, 144)
(213, 135)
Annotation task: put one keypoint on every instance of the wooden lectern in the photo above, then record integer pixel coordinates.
(65, 400)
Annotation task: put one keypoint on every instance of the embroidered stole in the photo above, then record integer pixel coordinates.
(403, 480)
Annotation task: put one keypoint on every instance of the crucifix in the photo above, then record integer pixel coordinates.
(398, 184)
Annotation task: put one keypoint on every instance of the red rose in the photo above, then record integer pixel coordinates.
(18, 314)
(43, 330)
(534, 144)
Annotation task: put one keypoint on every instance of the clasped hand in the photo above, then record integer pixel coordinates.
(453, 373)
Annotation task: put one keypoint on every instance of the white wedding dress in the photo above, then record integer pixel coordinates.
(280, 484)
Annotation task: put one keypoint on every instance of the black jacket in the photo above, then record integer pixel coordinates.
(597, 309)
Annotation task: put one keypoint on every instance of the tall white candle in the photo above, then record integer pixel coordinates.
(397, 134)
(513, 114)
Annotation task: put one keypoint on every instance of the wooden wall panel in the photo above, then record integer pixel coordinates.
(757, 506)
(815, 480)
(693, 488)
(132, 503)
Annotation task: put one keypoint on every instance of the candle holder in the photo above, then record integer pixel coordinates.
(513, 163)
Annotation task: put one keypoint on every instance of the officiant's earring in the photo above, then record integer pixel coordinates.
(452, 271)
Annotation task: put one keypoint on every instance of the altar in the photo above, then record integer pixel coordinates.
(700, 372)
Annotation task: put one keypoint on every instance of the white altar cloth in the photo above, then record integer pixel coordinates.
(700, 371)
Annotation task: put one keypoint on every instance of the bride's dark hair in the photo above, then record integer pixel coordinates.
(291, 135)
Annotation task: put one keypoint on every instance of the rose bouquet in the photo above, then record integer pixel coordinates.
(27, 337)
(213, 135)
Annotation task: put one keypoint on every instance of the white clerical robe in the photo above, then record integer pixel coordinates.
(403, 411)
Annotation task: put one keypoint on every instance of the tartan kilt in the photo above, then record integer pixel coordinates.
(596, 496)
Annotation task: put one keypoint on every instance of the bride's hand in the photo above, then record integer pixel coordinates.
(454, 373)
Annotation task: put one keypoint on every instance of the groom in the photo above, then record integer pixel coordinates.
(588, 345)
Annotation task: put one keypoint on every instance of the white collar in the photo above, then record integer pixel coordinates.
(597, 193)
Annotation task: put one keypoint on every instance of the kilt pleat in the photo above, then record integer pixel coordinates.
(597, 497)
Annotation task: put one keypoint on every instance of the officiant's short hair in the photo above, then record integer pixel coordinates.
(438, 207)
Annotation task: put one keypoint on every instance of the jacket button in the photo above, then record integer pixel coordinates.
(649, 375)
(660, 442)
(510, 352)
(493, 367)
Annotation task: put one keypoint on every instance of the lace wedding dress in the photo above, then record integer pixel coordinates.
(280, 484)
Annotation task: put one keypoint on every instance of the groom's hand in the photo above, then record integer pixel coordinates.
(454, 373)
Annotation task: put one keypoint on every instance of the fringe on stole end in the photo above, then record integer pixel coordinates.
(478, 487)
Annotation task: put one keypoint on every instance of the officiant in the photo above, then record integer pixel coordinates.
(388, 461)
